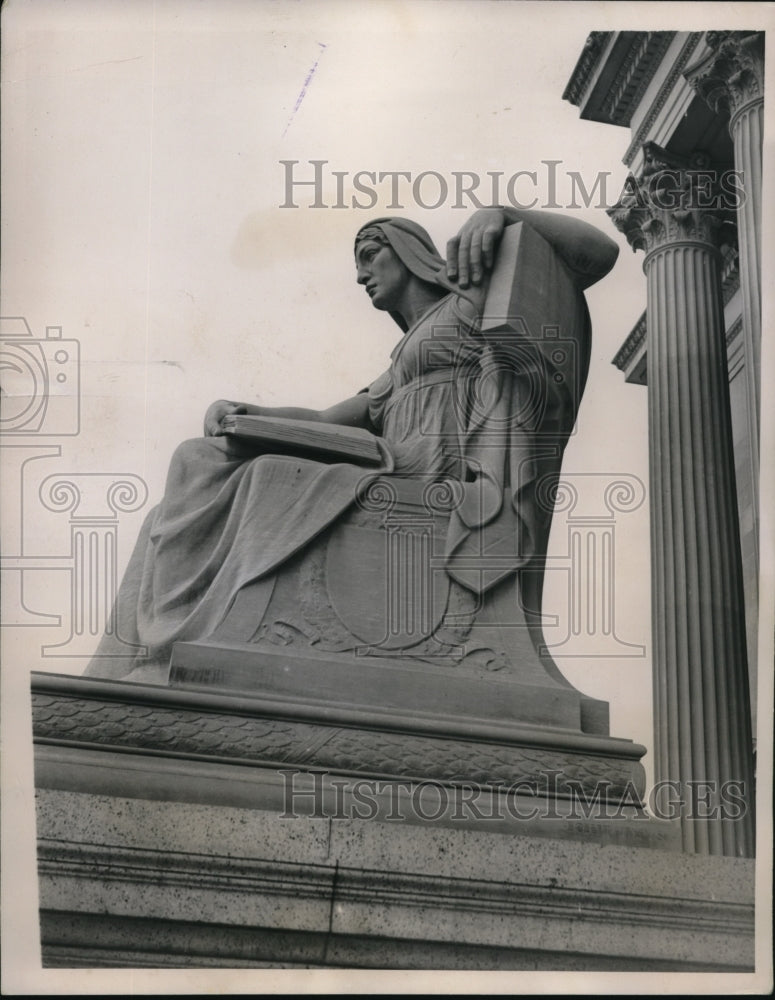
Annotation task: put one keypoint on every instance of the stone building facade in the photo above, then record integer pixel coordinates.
(694, 104)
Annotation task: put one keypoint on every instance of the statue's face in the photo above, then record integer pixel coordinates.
(382, 273)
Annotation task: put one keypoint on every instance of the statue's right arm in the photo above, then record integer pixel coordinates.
(353, 412)
(588, 252)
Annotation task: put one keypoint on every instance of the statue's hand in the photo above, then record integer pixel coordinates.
(216, 412)
(471, 253)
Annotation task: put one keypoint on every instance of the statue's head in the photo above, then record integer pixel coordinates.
(380, 269)
(392, 253)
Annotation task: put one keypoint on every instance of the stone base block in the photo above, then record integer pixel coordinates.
(158, 883)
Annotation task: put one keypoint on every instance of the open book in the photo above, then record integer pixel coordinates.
(332, 442)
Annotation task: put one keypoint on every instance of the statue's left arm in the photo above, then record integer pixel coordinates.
(588, 253)
(353, 412)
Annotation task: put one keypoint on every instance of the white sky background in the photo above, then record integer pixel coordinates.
(142, 186)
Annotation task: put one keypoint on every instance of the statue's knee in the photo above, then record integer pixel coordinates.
(201, 447)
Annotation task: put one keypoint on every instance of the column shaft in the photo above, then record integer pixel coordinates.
(746, 128)
(702, 720)
(730, 78)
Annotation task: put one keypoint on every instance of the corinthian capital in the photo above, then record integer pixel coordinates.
(731, 75)
(674, 200)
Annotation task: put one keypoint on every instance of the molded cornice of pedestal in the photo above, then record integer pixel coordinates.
(732, 74)
(676, 199)
(273, 731)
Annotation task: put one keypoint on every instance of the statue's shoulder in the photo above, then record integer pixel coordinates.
(467, 304)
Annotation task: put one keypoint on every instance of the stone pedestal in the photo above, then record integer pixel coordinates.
(158, 848)
(701, 703)
(161, 847)
(281, 727)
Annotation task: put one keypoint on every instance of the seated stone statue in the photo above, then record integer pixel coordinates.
(477, 402)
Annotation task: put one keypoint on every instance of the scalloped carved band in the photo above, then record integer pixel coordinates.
(131, 724)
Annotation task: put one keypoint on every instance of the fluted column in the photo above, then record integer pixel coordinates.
(731, 79)
(701, 708)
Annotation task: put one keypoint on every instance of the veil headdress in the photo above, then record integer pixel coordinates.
(414, 248)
